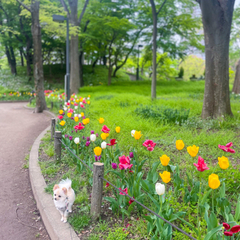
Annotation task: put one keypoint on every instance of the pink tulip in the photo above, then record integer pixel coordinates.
(227, 147)
(124, 190)
(201, 165)
(105, 129)
(149, 144)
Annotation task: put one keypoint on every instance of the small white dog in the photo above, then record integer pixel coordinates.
(64, 197)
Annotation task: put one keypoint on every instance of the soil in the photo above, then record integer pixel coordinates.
(19, 217)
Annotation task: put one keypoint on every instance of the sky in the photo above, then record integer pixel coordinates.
(237, 2)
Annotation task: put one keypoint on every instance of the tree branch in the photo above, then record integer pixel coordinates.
(65, 7)
(161, 7)
(25, 6)
(81, 15)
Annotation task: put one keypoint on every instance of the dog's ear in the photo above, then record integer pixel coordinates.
(55, 187)
(64, 190)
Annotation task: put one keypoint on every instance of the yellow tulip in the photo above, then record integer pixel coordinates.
(104, 136)
(72, 103)
(213, 181)
(97, 151)
(60, 111)
(82, 114)
(166, 177)
(89, 96)
(118, 129)
(164, 160)
(137, 135)
(62, 123)
(77, 100)
(88, 102)
(76, 119)
(179, 145)
(85, 121)
(101, 120)
(223, 162)
(69, 114)
(193, 150)
(81, 99)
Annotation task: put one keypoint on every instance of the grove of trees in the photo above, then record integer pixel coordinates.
(109, 33)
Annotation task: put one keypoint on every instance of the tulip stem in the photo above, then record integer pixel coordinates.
(222, 233)
(149, 160)
(198, 222)
(212, 201)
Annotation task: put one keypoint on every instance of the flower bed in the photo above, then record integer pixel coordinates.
(195, 200)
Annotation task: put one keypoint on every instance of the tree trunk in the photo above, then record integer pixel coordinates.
(81, 55)
(109, 74)
(11, 59)
(74, 70)
(115, 71)
(21, 56)
(38, 65)
(217, 19)
(236, 85)
(154, 59)
(94, 64)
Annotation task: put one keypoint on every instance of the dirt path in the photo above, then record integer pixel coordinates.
(19, 217)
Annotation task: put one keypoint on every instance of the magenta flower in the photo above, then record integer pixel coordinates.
(79, 127)
(124, 163)
(97, 158)
(92, 132)
(87, 143)
(131, 155)
(124, 190)
(227, 148)
(149, 144)
(70, 138)
(114, 165)
(112, 142)
(105, 129)
(235, 229)
(226, 226)
(201, 165)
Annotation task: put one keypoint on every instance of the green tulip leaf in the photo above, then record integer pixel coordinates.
(237, 213)
(212, 232)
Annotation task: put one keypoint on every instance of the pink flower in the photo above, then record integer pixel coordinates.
(79, 127)
(75, 104)
(149, 144)
(227, 147)
(124, 190)
(201, 165)
(60, 117)
(68, 103)
(84, 101)
(107, 184)
(124, 163)
(82, 106)
(71, 110)
(105, 129)
(112, 142)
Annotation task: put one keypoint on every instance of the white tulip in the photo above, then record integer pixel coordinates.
(65, 108)
(79, 115)
(133, 132)
(93, 137)
(160, 188)
(75, 115)
(103, 145)
(80, 103)
(76, 107)
(77, 140)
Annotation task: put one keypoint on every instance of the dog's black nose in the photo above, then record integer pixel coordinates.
(55, 199)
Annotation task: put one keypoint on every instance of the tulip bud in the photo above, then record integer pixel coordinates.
(133, 132)
(77, 140)
(103, 145)
(160, 188)
(93, 137)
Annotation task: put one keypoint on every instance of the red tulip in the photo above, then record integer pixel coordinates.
(131, 201)
(201, 165)
(124, 163)
(105, 129)
(226, 226)
(112, 142)
(107, 184)
(60, 117)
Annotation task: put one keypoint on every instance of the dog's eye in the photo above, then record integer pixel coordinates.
(59, 196)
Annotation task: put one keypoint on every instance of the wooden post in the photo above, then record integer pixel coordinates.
(51, 105)
(57, 145)
(61, 106)
(96, 198)
(53, 124)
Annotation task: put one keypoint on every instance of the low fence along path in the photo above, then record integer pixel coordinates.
(19, 217)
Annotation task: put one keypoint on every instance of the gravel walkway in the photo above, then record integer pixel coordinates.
(19, 217)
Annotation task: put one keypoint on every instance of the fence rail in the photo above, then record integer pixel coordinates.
(133, 199)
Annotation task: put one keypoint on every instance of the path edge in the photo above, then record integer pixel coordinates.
(49, 214)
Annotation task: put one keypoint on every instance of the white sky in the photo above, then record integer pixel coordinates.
(237, 2)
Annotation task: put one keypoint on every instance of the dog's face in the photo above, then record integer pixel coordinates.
(59, 194)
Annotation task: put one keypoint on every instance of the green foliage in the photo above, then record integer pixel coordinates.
(181, 72)
(164, 114)
(117, 234)
(79, 221)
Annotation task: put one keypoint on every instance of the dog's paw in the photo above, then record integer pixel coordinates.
(62, 219)
(65, 220)
(70, 210)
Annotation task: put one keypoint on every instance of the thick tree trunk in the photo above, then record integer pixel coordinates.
(154, 51)
(236, 85)
(38, 65)
(81, 55)
(217, 19)
(74, 70)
